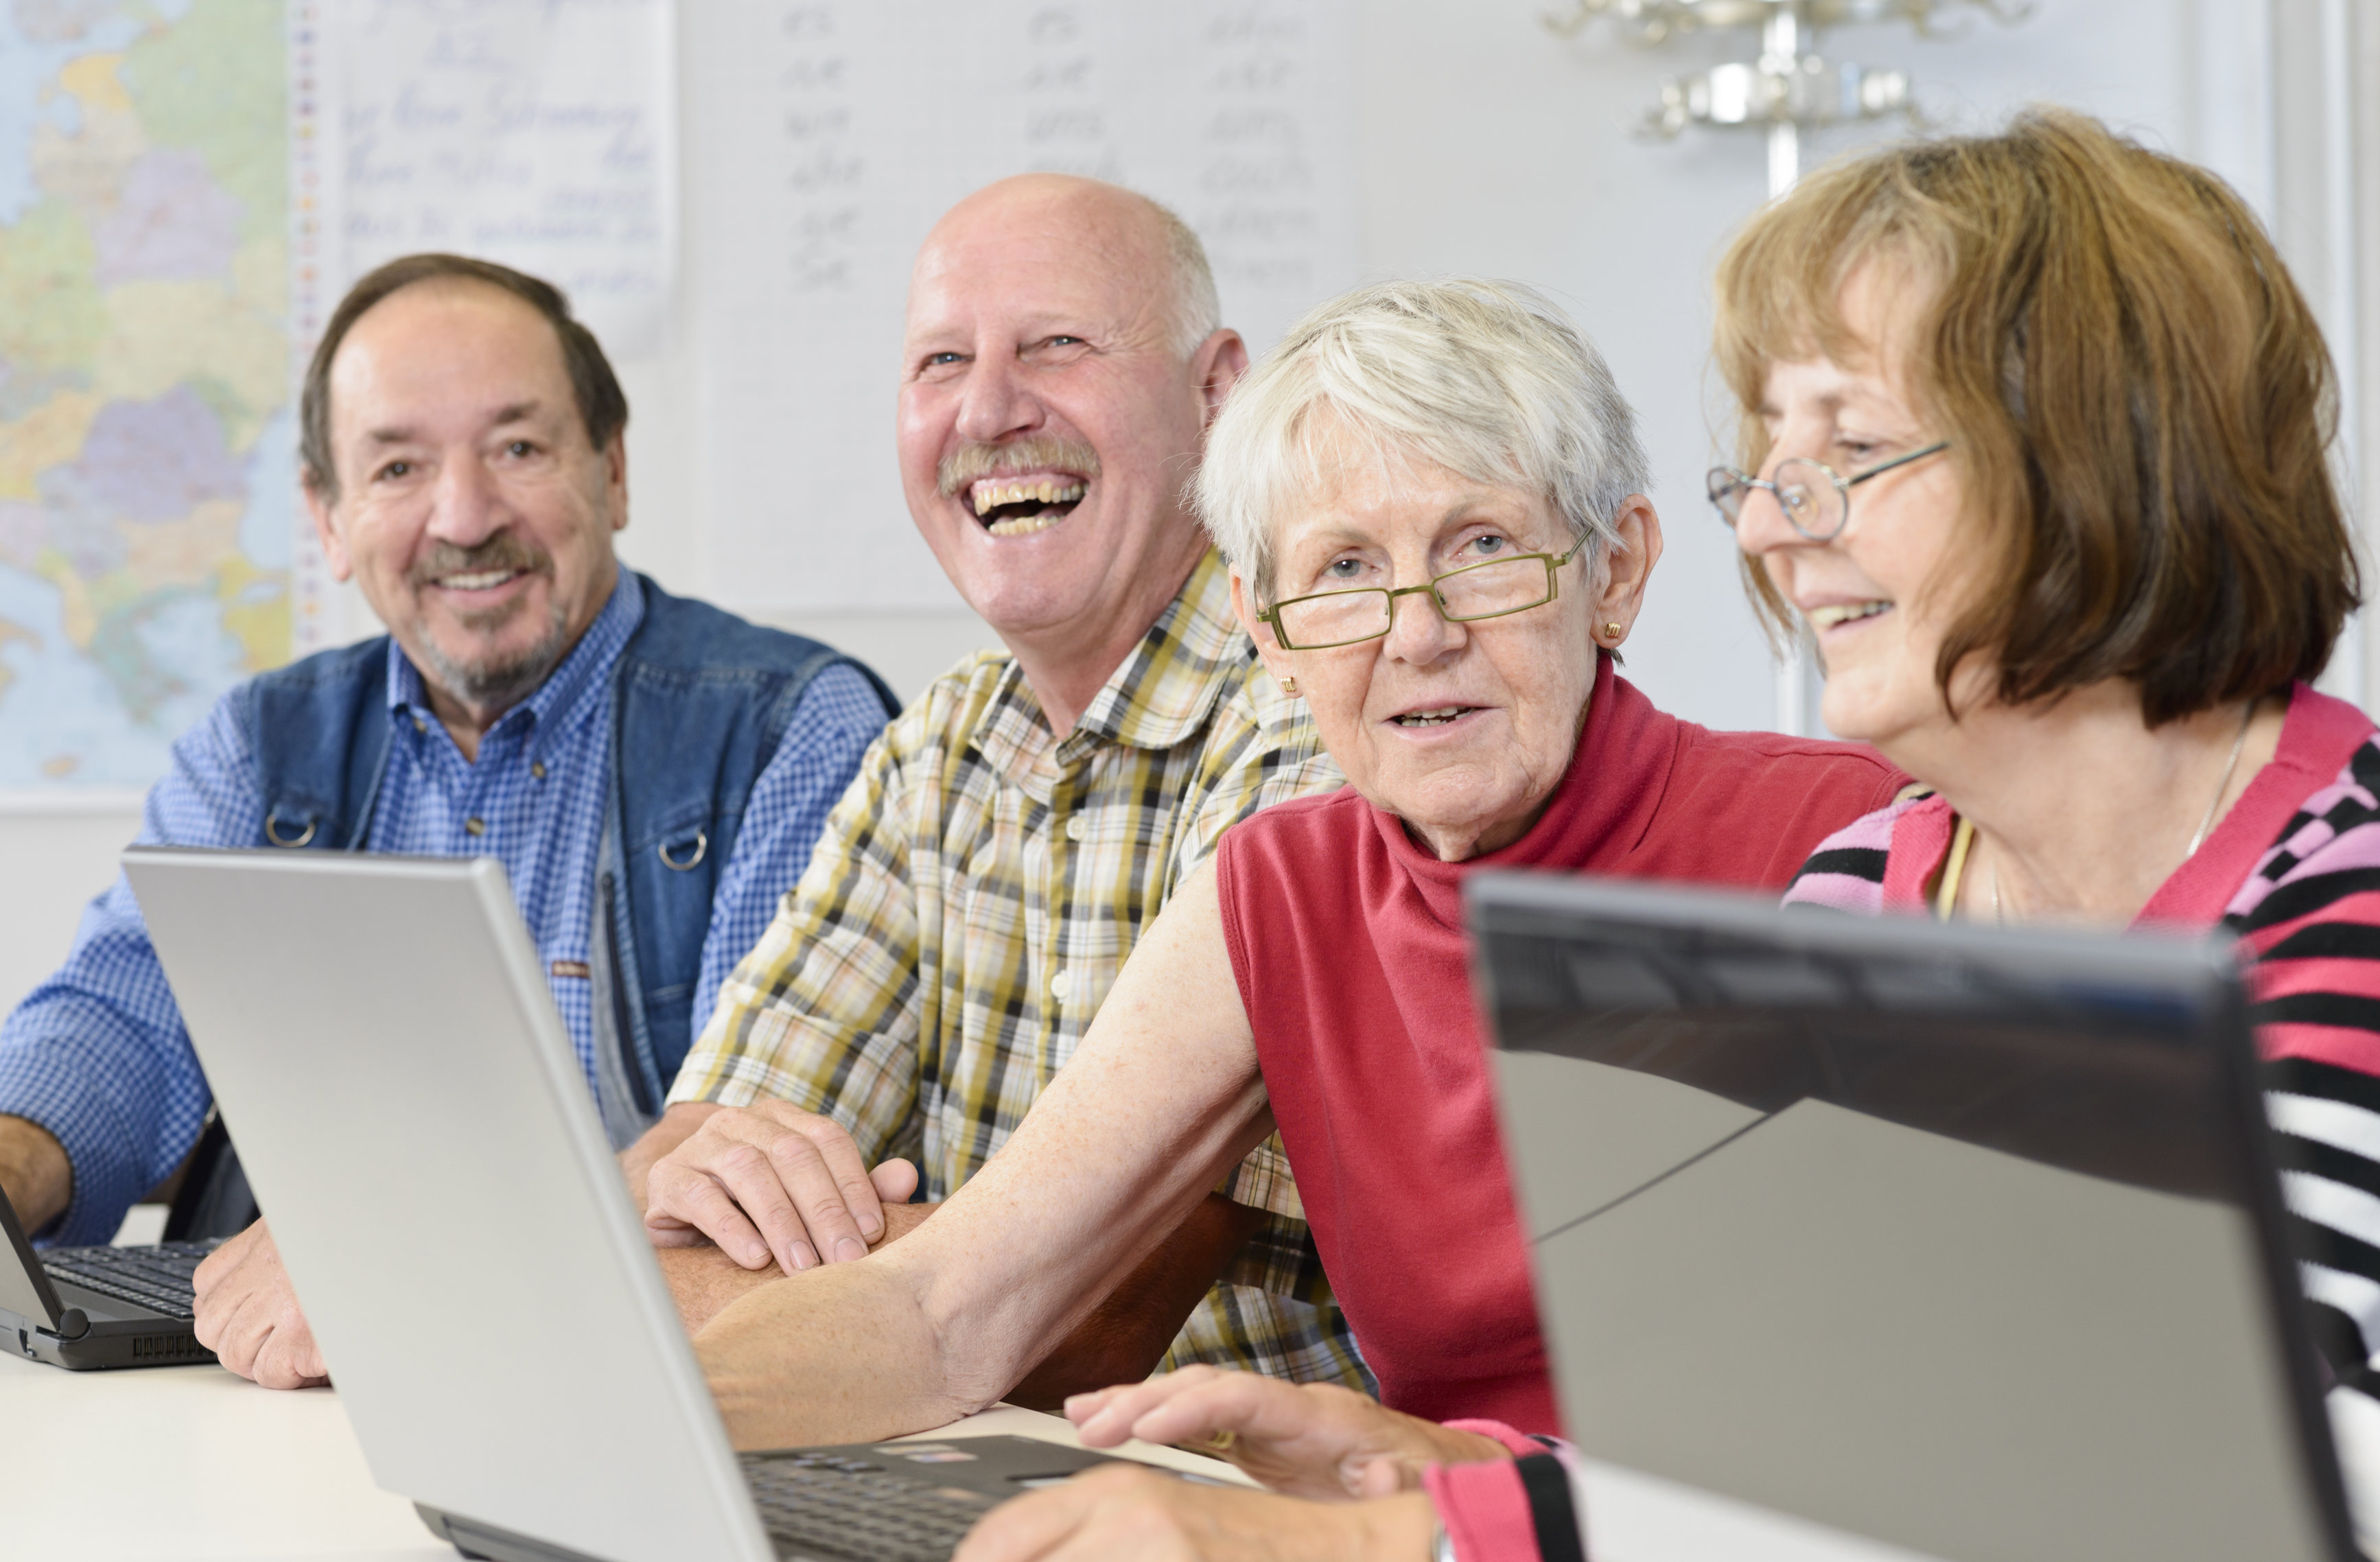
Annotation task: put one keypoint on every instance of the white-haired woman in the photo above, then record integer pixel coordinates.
(1432, 496)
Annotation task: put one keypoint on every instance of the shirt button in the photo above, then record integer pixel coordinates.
(477, 827)
(419, 725)
(537, 769)
(1075, 828)
(1058, 985)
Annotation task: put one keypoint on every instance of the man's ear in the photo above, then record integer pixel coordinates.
(615, 477)
(1627, 566)
(1277, 661)
(335, 552)
(1215, 367)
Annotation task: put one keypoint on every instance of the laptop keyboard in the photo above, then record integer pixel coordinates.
(829, 1505)
(157, 1278)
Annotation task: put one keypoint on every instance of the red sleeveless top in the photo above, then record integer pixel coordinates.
(1346, 939)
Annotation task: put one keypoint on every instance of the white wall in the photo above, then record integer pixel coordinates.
(1491, 146)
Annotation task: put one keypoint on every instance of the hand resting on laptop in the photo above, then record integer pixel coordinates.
(1309, 1440)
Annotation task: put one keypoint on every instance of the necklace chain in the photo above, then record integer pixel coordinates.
(2198, 839)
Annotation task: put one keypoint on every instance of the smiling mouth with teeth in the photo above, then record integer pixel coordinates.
(1014, 507)
(1825, 618)
(482, 581)
(1437, 718)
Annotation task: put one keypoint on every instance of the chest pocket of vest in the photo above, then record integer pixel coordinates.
(674, 868)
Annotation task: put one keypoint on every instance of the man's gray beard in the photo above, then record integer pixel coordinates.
(496, 686)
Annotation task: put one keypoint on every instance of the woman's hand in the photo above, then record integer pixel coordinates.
(1125, 1514)
(1313, 1440)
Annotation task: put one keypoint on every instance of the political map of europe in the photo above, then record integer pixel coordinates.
(147, 503)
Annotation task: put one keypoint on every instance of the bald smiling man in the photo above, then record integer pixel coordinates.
(983, 879)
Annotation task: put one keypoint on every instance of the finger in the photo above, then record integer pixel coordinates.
(694, 1199)
(1125, 1406)
(840, 1155)
(668, 1231)
(1080, 1408)
(274, 1365)
(896, 1181)
(1131, 1404)
(821, 1196)
(241, 1333)
(289, 1358)
(216, 1310)
(1241, 1403)
(751, 1175)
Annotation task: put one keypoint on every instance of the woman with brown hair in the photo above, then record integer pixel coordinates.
(2041, 430)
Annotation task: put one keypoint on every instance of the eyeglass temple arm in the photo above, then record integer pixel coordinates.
(1883, 466)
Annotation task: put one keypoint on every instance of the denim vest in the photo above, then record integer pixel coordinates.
(698, 696)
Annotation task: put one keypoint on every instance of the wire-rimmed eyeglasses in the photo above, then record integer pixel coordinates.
(1464, 596)
(1815, 498)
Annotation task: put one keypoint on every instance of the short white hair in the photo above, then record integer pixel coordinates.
(1488, 380)
(1196, 312)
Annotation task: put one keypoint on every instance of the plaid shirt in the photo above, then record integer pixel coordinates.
(970, 903)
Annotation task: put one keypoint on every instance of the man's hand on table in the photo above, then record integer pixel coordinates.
(1311, 1440)
(769, 1183)
(248, 1314)
(1125, 1514)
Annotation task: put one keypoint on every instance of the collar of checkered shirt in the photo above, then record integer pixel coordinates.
(1161, 695)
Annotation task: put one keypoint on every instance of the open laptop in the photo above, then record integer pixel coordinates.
(84, 1307)
(418, 1131)
(1904, 1238)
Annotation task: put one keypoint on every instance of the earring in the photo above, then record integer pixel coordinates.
(1612, 630)
(1289, 685)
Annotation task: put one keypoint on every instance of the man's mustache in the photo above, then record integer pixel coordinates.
(503, 551)
(1035, 453)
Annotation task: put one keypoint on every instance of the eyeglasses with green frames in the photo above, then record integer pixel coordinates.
(1815, 498)
(1464, 596)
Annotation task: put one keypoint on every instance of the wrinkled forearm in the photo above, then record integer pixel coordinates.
(837, 1354)
(1129, 1333)
(34, 1171)
(703, 1280)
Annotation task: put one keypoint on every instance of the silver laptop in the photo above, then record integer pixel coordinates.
(417, 1126)
(1920, 1241)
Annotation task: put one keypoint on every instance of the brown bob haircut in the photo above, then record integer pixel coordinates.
(2140, 404)
(603, 405)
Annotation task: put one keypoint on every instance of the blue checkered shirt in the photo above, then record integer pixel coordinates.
(98, 1054)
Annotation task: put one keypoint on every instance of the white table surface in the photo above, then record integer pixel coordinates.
(194, 1464)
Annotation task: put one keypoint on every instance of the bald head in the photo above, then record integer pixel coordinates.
(1124, 235)
(1061, 362)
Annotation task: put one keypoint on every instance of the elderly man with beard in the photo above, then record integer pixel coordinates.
(650, 771)
(1017, 827)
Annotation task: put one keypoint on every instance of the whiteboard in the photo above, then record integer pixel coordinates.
(542, 134)
(825, 137)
